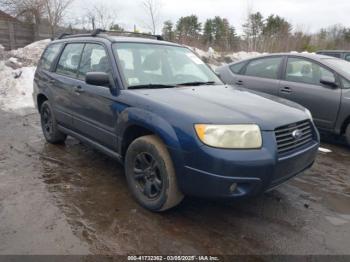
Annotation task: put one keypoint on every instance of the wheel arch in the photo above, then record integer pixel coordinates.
(346, 122)
(41, 98)
(135, 122)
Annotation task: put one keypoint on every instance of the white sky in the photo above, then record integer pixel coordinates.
(310, 15)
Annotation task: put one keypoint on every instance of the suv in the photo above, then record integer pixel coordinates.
(342, 54)
(320, 83)
(165, 115)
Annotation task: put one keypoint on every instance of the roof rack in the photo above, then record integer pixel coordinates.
(98, 31)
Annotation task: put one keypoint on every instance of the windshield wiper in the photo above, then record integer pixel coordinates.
(198, 83)
(150, 86)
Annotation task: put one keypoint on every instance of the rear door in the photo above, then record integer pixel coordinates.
(94, 116)
(302, 84)
(262, 74)
(64, 79)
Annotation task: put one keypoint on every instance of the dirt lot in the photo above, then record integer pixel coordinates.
(71, 199)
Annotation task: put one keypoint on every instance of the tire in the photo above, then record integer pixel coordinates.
(49, 125)
(150, 174)
(347, 134)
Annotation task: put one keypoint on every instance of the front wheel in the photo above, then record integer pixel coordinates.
(150, 174)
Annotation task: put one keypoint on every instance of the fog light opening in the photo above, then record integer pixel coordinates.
(233, 187)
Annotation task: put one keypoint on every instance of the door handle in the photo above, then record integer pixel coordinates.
(239, 82)
(286, 90)
(52, 81)
(78, 89)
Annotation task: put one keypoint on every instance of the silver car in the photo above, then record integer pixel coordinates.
(319, 83)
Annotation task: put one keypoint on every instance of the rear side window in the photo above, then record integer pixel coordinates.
(69, 60)
(236, 68)
(264, 67)
(49, 56)
(94, 59)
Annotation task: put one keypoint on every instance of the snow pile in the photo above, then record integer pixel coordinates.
(16, 88)
(17, 69)
(243, 55)
(217, 59)
(30, 54)
(2, 52)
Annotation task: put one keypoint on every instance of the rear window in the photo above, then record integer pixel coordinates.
(49, 56)
(264, 67)
(69, 60)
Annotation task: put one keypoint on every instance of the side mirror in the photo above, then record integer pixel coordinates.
(98, 79)
(329, 81)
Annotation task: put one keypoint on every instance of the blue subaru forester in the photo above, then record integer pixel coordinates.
(158, 109)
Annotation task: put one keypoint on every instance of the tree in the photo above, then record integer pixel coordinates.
(168, 31)
(152, 8)
(209, 32)
(219, 34)
(31, 10)
(188, 29)
(117, 27)
(253, 29)
(276, 33)
(101, 16)
(55, 13)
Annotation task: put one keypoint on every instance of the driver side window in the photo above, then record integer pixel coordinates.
(305, 71)
(94, 59)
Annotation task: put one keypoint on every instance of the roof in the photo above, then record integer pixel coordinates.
(334, 51)
(7, 17)
(313, 56)
(105, 37)
(140, 40)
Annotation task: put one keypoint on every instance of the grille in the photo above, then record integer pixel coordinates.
(292, 136)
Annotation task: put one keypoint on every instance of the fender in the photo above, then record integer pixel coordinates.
(156, 124)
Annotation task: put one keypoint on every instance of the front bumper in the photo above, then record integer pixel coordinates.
(210, 172)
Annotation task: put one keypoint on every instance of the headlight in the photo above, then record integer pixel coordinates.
(230, 136)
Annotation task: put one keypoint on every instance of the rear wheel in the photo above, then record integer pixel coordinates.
(49, 125)
(347, 134)
(150, 174)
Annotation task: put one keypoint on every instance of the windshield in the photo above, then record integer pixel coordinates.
(161, 65)
(341, 66)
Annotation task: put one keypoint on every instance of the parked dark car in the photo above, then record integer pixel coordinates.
(342, 54)
(319, 83)
(159, 110)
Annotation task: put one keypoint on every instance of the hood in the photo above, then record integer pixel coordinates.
(223, 105)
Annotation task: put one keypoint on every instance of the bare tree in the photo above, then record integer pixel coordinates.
(30, 10)
(152, 9)
(55, 10)
(101, 16)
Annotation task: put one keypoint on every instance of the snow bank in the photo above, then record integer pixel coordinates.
(216, 59)
(17, 69)
(30, 54)
(16, 88)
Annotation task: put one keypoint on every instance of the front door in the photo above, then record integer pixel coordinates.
(302, 84)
